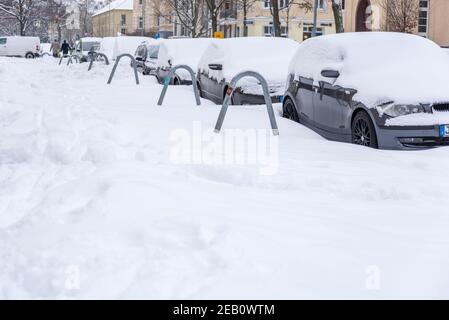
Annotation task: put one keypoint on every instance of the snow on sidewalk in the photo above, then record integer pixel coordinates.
(92, 204)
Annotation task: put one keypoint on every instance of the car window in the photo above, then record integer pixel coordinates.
(141, 52)
(153, 52)
(87, 46)
(3, 40)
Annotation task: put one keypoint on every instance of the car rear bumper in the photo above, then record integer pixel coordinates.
(410, 137)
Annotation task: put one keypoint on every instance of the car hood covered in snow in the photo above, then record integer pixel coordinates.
(380, 66)
(268, 56)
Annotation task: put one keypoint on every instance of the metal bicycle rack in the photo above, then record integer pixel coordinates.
(266, 95)
(116, 63)
(69, 61)
(45, 54)
(171, 75)
(94, 58)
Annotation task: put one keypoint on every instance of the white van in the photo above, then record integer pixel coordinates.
(28, 47)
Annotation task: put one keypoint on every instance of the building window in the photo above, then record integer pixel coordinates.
(269, 31)
(307, 31)
(140, 22)
(123, 20)
(140, 2)
(123, 30)
(282, 3)
(423, 17)
(322, 4)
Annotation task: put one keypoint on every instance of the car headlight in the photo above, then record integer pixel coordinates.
(397, 110)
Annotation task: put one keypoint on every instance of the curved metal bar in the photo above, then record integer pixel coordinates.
(45, 54)
(96, 55)
(116, 63)
(171, 75)
(266, 95)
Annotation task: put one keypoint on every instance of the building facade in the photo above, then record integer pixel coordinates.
(153, 18)
(358, 15)
(114, 19)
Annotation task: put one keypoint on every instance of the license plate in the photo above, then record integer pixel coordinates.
(444, 130)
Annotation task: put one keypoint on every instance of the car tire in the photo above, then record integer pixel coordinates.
(29, 55)
(289, 110)
(363, 131)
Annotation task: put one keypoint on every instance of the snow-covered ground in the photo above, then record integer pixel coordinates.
(100, 198)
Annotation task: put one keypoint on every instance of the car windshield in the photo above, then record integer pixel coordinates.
(87, 46)
(3, 40)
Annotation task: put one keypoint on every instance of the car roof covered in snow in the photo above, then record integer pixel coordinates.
(268, 56)
(185, 51)
(380, 66)
(115, 46)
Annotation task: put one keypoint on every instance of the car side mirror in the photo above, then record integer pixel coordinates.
(215, 66)
(328, 73)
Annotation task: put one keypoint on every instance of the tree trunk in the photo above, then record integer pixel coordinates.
(245, 13)
(338, 17)
(276, 19)
(214, 19)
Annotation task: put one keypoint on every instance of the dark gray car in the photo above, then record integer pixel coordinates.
(328, 100)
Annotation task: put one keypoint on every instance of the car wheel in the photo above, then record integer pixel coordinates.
(289, 111)
(29, 55)
(363, 131)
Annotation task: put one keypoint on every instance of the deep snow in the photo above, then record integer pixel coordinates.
(93, 205)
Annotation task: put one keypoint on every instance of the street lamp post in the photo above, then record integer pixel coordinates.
(315, 17)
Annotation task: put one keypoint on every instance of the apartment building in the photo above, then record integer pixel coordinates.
(114, 19)
(358, 15)
(153, 18)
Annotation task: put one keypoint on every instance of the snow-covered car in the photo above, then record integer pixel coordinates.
(223, 59)
(381, 90)
(112, 47)
(15, 46)
(172, 52)
(146, 56)
(85, 46)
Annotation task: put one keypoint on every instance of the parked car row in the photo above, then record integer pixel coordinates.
(381, 90)
(216, 62)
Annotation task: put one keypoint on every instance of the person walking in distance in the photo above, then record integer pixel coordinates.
(55, 48)
(65, 48)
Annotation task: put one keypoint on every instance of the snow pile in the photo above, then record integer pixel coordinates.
(174, 52)
(382, 67)
(115, 46)
(92, 204)
(266, 55)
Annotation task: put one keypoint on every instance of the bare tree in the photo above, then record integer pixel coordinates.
(305, 5)
(86, 8)
(245, 6)
(401, 15)
(191, 15)
(23, 12)
(277, 7)
(338, 15)
(214, 7)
